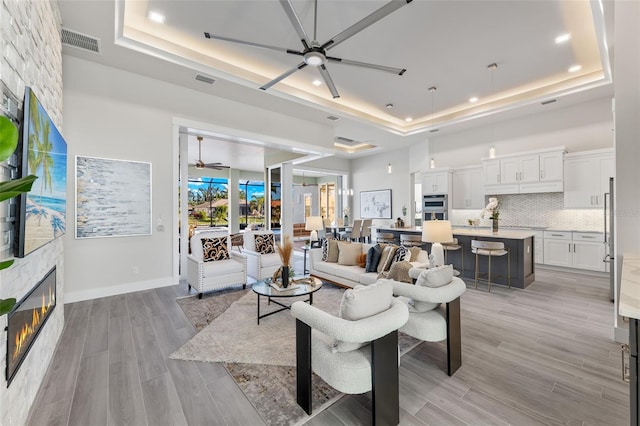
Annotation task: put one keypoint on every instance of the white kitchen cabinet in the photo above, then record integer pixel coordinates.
(587, 178)
(491, 169)
(581, 250)
(520, 169)
(467, 189)
(436, 182)
(534, 172)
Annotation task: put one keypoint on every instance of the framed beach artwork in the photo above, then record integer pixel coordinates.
(375, 204)
(41, 213)
(113, 198)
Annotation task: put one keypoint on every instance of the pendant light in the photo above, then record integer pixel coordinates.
(432, 90)
(492, 67)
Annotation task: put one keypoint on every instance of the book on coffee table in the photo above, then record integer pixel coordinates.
(290, 287)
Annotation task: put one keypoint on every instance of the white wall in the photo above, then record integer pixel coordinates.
(370, 173)
(578, 127)
(116, 114)
(627, 134)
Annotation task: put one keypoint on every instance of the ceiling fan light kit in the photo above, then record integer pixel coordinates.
(315, 54)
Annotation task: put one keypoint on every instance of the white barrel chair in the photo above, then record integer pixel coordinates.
(215, 274)
(434, 312)
(260, 265)
(358, 369)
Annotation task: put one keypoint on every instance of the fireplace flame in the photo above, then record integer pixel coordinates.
(37, 315)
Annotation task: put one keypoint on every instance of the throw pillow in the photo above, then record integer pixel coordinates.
(325, 249)
(362, 260)
(373, 258)
(348, 253)
(399, 255)
(436, 277)
(265, 243)
(362, 302)
(332, 250)
(415, 251)
(387, 258)
(214, 249)
(399, 271)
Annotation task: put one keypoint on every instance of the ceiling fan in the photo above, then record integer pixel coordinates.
(201, 164)
(314, 53)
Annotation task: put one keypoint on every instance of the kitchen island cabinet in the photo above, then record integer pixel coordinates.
(519, 243)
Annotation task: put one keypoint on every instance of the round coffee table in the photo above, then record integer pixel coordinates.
(264, 288)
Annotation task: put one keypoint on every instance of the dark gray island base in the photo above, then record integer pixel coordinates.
(519, 244)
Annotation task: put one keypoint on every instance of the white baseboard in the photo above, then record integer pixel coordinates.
(96, 293)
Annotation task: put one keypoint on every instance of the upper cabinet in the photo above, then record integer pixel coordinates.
(467, 189)
(587, 178)
(530, 173)
(436, 182)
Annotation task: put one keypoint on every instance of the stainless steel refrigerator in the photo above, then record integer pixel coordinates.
(609, 218)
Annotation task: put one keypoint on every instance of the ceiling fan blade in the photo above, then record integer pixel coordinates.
(281, 77)
(399, 71)
(248, 43)
(295, 21)
(328, 81)
(374, 17)
(216, 166)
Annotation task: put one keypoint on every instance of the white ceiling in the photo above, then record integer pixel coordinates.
(442, 43)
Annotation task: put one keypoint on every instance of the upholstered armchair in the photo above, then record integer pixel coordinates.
(262, 258)
(212, 265)
(429, 320)
(354, 353)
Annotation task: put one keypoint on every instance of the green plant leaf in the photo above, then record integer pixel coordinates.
(8, 138)
(6, 305)
(5, 264)
(16, 187)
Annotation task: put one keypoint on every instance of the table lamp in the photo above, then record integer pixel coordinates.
(436, 232)
(314, 224)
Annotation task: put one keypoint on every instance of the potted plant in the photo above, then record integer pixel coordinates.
(10, 189)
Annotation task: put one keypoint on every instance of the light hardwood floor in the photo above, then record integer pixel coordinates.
(543, 355)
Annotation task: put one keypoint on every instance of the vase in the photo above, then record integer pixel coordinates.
(285, 276)
(494, 225)
(346, 220)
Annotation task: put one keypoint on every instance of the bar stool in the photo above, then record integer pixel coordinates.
(385, 237)
(490, 249)
(411, 240)
(365, 233)
(453, 246)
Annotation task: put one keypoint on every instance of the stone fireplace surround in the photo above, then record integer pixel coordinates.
(31, 55)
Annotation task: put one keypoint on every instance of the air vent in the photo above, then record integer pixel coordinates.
(345, 141)
(333, 118)
(204, 79)
(81, 41)
(550, 101)
(434, 130)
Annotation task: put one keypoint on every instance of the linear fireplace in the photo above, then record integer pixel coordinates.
(27, 319)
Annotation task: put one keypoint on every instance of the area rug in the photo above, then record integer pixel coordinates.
(260, 358)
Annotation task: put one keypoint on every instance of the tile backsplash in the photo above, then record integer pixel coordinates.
(537, 210)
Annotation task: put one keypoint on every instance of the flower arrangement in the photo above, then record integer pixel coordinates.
(491, 210)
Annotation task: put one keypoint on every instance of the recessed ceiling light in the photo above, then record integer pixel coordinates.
(408, 119)
(473, 99)
(156, 17)
(563, 38)
(316, 82)
(575, 68)
(389, 106)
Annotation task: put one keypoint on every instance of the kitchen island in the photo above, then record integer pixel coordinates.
(519, 243)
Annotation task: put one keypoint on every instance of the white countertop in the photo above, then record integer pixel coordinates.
(630, 286)
(508, 234)
(469, 232)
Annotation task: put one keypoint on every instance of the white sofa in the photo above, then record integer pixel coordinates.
(349, 276)
(259, 266)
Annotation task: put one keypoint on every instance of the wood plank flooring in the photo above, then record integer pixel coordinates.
(540, 356)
